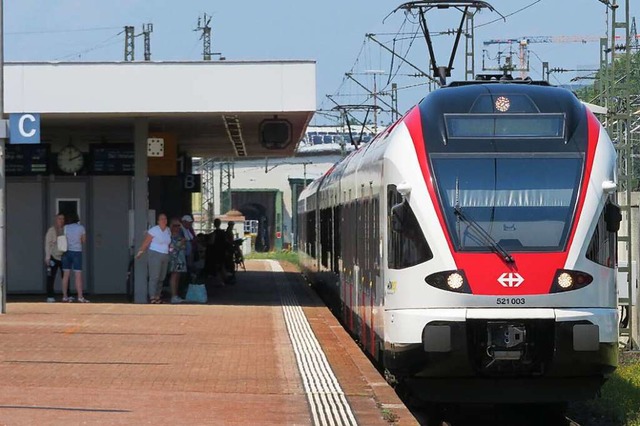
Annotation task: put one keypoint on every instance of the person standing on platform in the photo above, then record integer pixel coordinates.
(229, 262)
(72, 258)
(157, 242)
(177, 258)
(52, 255)
(192, 243)
(217, 248)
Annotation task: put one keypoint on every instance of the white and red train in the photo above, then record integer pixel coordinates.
(471, 247)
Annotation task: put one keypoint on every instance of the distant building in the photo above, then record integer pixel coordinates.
(266, 190)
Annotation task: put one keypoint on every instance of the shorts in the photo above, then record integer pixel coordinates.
(72, 260)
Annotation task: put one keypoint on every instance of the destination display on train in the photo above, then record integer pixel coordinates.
(112, 159)
(27, 159)
(479, 126)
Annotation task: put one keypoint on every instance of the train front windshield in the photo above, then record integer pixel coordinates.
(524, 204)
(511, 175)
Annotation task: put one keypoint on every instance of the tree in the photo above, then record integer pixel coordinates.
(617, 102)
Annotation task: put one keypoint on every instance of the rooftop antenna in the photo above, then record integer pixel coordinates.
(420, 8)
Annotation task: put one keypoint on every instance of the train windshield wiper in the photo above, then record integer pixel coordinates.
(497, 248)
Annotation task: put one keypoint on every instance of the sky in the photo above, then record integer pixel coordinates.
(331, 32)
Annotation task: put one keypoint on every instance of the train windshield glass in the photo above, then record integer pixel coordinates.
(524, 204)
(482, 126)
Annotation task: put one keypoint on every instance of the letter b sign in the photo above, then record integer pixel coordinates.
(24, 128)
(192, 183)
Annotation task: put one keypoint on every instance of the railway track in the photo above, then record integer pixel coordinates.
(486, 415)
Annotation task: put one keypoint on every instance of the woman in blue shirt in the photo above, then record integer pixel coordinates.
(72, 258)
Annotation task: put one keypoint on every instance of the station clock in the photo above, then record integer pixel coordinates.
(70, 159)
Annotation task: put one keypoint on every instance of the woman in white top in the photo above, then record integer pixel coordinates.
(72, 258)
(53, 256)
(157, 242)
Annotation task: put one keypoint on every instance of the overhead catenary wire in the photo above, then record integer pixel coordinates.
(60, 31)
(401, 43)
(105, 43)
(507, 15)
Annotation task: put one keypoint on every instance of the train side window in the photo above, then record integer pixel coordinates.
(302, 238)
(337, 251)
(603, 246)
(325, 236)
(311, 233)
(347, 240)
(406, 243)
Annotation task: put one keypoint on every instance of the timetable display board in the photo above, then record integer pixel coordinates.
(27, 160)
(111, 159)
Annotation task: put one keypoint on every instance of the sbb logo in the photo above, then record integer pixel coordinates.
(510, 279)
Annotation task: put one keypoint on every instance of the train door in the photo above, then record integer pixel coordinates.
(370, 270)
(355, 277)
(350, 270)
(391, 278)
(363, 290)
(378, 286)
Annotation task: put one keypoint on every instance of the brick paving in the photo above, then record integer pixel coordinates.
(228, 362)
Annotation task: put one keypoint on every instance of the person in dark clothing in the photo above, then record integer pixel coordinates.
(217, 247)
(229, 263)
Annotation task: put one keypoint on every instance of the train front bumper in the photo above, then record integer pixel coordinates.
(564, 350)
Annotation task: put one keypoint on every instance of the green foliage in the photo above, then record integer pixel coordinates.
(288, 256)
(595, 94)
(620, 401)
(592, 93)
(389, 416)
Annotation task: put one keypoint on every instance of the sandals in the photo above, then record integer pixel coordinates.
(156, 301)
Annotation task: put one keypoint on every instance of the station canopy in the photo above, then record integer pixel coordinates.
(218, 109)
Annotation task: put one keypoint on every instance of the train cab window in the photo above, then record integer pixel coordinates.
(524, 204)
(603, 245)
(406, 243)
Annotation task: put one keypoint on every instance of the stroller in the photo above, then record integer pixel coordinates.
(238, 257)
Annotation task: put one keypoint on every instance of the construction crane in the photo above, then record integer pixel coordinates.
(523, 45)
(544, 39)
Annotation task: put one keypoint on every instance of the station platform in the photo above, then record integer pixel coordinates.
(264, 351)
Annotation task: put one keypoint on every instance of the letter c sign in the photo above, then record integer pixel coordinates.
(24, 128)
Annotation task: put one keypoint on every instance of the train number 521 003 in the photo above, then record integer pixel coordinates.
(511, 301)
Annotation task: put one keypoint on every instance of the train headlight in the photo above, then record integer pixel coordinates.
(449, 281)
(566, 280)
(455, 281)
